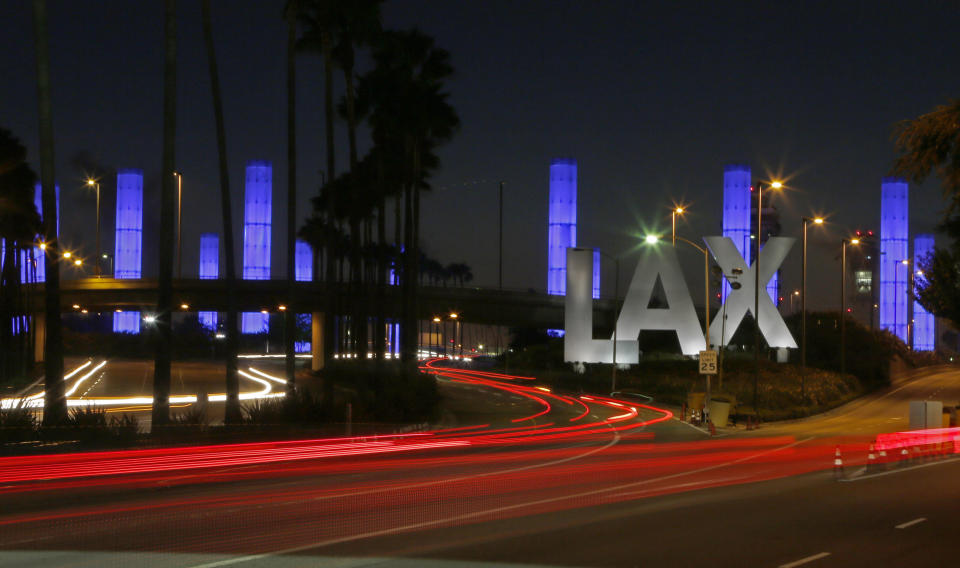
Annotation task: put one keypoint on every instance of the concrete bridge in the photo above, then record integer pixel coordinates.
(476, 305)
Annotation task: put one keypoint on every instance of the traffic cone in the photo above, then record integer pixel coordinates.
(713, 429)
(837, 464)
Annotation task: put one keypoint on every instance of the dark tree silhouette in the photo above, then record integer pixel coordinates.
(54, 401)
(162, 361)
(232, 410)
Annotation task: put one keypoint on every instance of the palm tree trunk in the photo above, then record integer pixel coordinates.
(10, 271)
(232, 409)
(290, 315)
(161, 366)
(55, 405)
(329, 331)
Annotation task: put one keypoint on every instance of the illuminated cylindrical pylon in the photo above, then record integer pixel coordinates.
(562, 226)
(257, 216)
(209, 269)
(737, 211)
(895, 264)
(128, 247)
(924, 324)
(33, 261)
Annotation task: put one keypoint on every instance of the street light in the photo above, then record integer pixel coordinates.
(457, 335)
(706, 302)
(896, 323)
(803, 306)
(96, 184)
(179, 224)
(616, 309)
(756, 294)
(673, 222)
(843, 302)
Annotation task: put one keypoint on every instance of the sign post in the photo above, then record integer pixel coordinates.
(708, 367)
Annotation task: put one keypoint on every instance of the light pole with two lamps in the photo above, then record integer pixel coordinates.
(843, 301)
(756, 295)
(179, 223)
(803, 306)
(96, 184)
(706, 302)
(616, 308)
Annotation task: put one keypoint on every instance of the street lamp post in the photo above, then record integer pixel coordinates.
(179, 224)
(803, 307)
(95, 184)
(673, 222)
(706, 302)
(616, 311)
(756, 295)
(905, 262)
(843, 302)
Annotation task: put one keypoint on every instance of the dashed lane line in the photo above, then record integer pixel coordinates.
(911, 523)
(807, 560)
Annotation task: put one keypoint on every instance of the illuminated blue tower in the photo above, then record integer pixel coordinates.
(33, 262)
(562, 227)
(257, 215)
(209, 269)
(128, 247)
(894, 208)
(736, 211)
(924, 325)
(562, 224)
(303, 258)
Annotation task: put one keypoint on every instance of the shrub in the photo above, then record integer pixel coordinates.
(17, 424)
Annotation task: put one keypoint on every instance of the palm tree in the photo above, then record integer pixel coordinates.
(289, 316)
(410, 116)
(161, 367)
(19, 224)
(357, 23)
(319, 24)
(232, 410)
(460, 272)
(54, 403)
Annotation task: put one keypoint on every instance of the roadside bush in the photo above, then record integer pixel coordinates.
(386, 392)
(17, 424)
(301, 408)
(125, 430)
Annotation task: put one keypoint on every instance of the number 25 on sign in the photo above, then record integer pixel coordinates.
(708, 362)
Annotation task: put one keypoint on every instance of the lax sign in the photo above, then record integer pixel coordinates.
(680, 317)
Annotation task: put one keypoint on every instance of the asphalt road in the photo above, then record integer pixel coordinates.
(633, 490)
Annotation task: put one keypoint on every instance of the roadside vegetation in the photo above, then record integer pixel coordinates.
(785, 390)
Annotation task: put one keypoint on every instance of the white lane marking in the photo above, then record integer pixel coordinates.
(910, 523)
(701, 430)
(477, 514)
(803, 561)
(899, 470)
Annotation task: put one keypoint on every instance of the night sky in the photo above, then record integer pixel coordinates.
(652, 99)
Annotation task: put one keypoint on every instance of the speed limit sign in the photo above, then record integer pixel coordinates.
(708, 362)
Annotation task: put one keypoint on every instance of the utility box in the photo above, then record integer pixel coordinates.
(926, 414)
